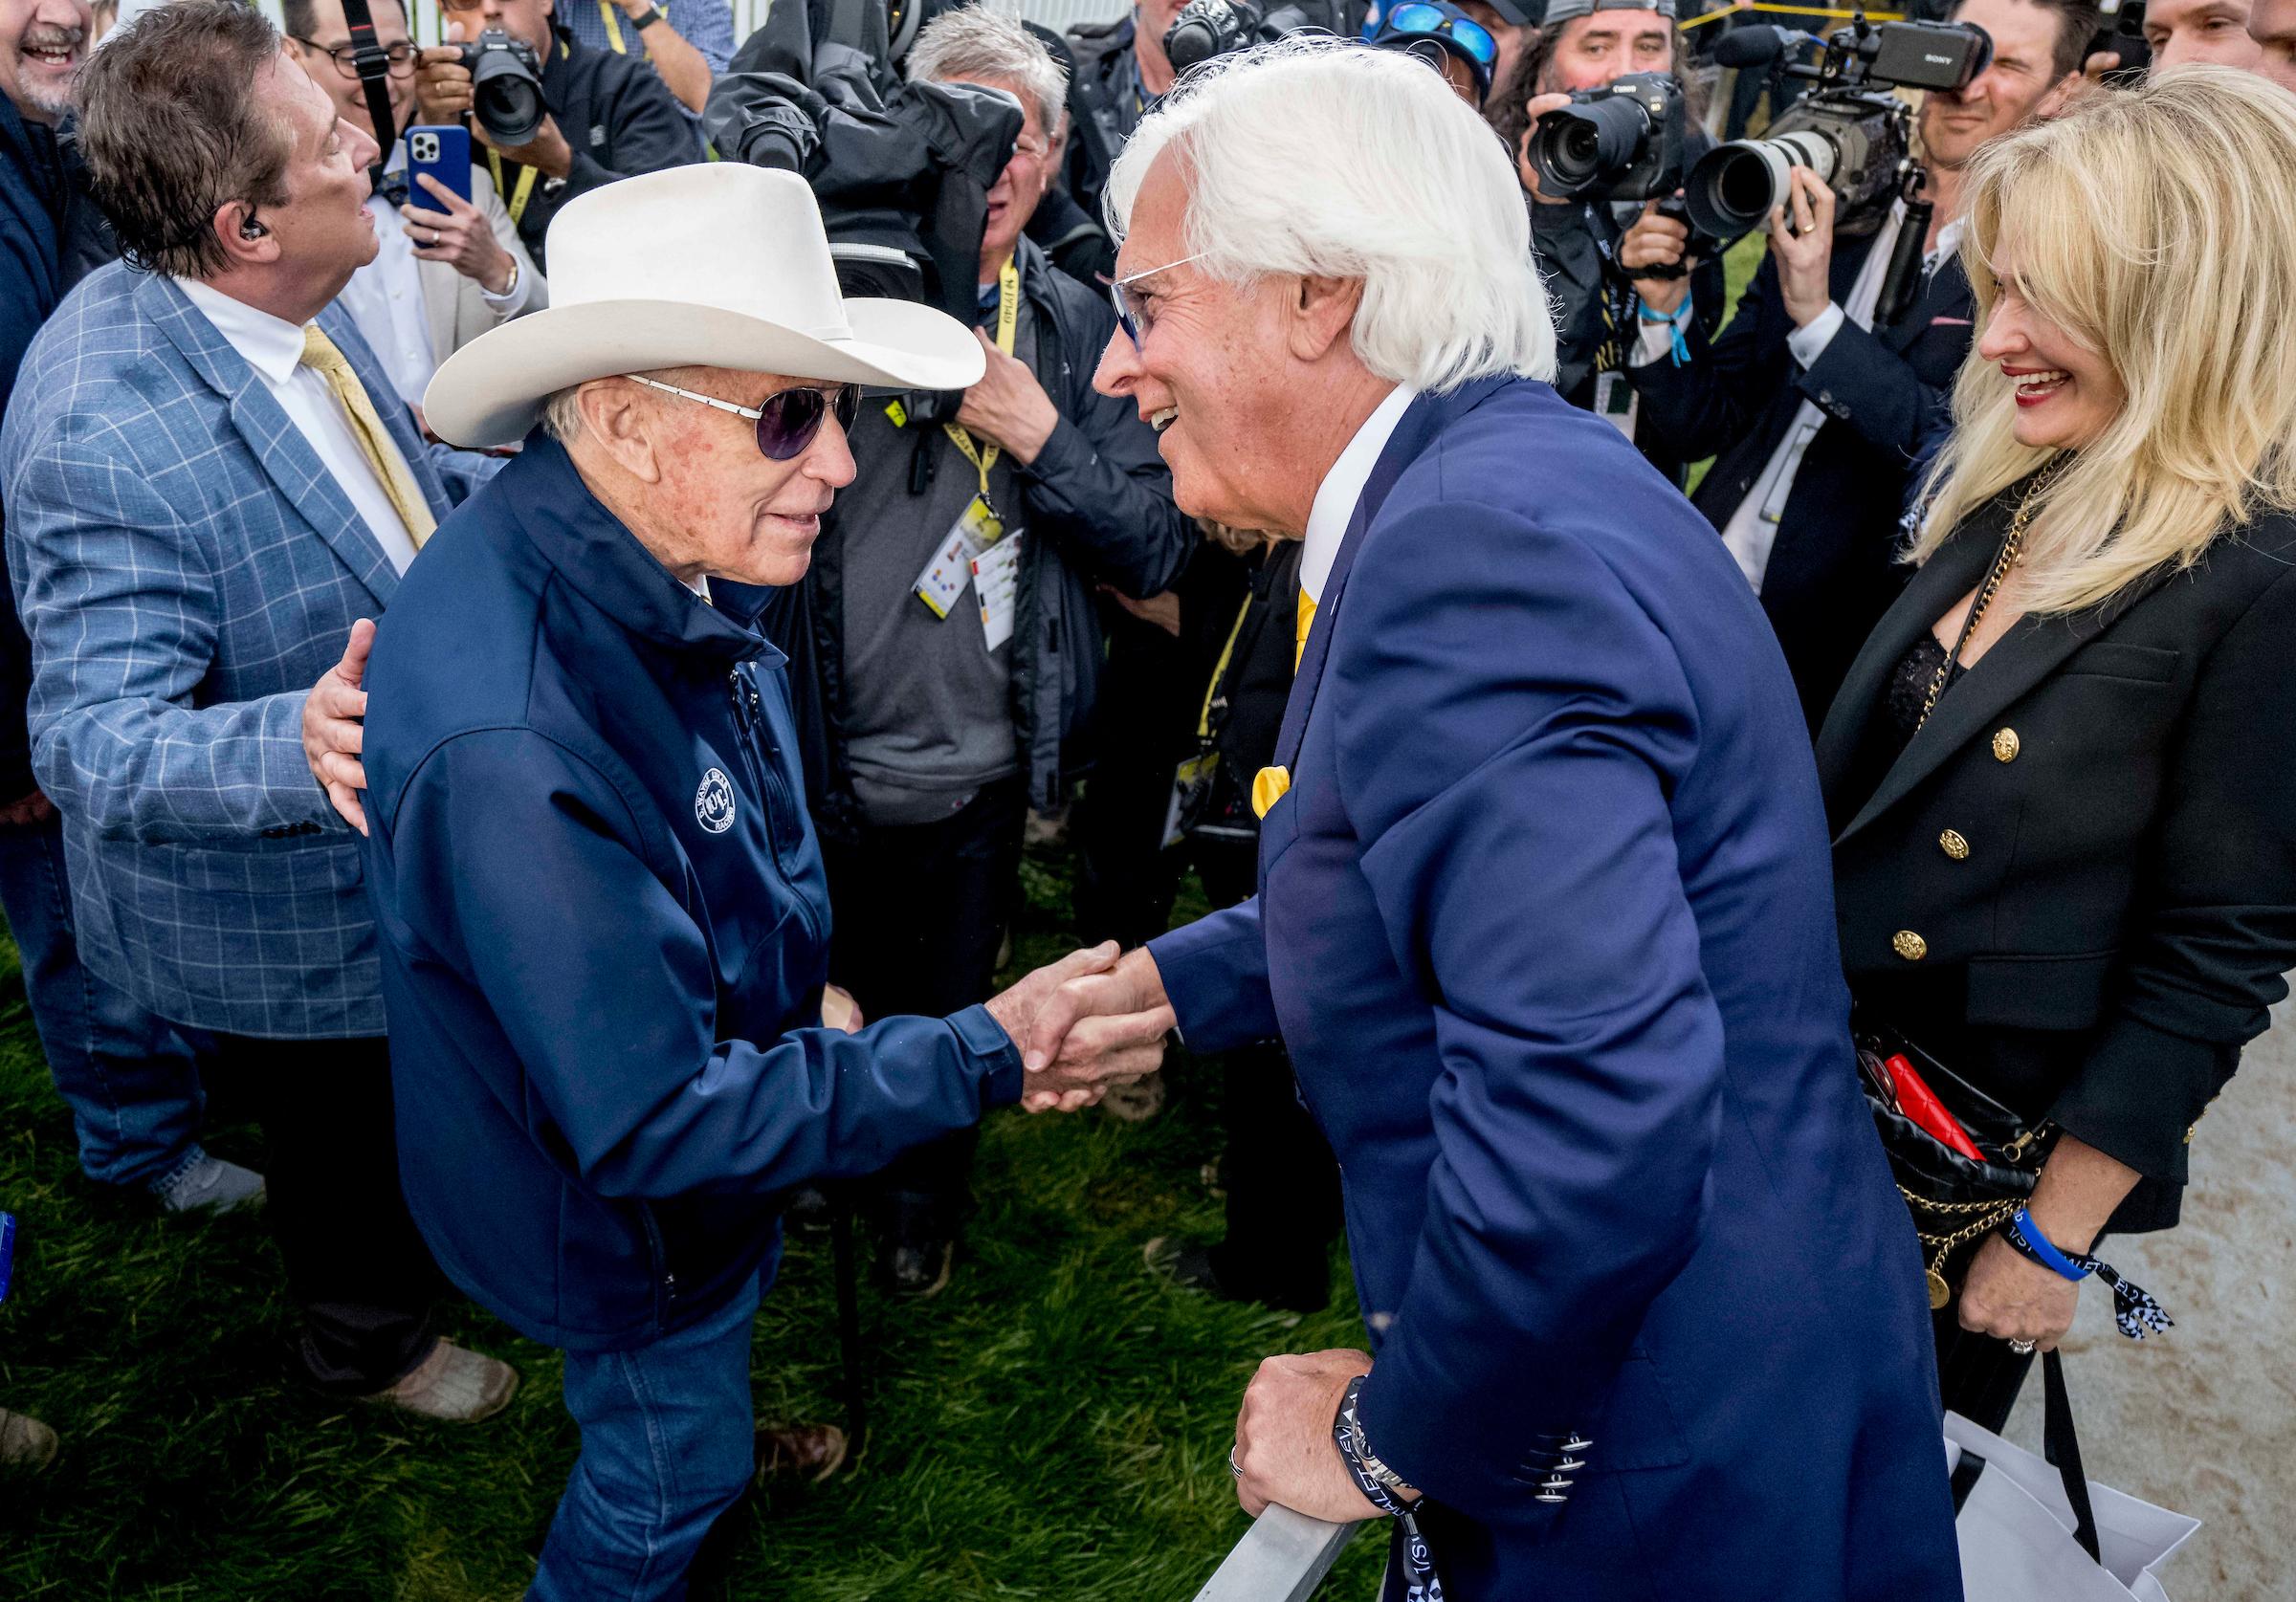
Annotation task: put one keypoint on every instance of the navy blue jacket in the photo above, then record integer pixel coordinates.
(1546, 920)
(51, 236)
(605, 929)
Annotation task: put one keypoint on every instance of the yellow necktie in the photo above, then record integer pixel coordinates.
(374, 440)
(1306, 621)
(1270, 785)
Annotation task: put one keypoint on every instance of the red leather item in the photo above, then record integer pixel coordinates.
(1919, 1103)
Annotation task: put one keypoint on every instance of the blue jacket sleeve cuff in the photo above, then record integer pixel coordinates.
(993, 1050)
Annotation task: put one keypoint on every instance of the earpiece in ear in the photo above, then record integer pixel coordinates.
(252, 229)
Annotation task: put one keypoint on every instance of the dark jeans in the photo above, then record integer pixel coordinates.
(130, 1079)
(668, 1443)
(917, 913)
(355, 1265)
(1282, 1182)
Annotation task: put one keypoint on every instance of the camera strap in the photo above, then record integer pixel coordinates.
(374, 68)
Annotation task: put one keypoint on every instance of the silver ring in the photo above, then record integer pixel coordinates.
(2023, 1349)
(1234, 1467)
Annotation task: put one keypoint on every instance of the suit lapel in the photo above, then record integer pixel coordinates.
(1944, 293)
(2033, 648)
(277, 444)
(1422, 421)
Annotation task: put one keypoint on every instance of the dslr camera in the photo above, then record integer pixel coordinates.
(1210, 28)
(1850, 130)
(506, 86)
(1621, 141)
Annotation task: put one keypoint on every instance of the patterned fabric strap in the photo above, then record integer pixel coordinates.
(1419, 1581)
(2133, 1309)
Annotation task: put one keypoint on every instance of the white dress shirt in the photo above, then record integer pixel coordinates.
(384, 297)
(1335, 497)
(273, 349)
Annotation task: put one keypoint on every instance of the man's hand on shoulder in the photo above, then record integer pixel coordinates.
(1285, 1449)
(334, 737)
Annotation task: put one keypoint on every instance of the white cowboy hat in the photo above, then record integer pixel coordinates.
(713, 264)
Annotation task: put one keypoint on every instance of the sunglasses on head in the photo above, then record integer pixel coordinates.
(1417, 16)
(788, 420)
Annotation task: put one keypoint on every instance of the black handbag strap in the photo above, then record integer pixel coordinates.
(2062, 1447)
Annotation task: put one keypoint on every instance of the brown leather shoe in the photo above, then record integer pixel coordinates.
(800, 1452)
(452, 1384)
(25, 1440)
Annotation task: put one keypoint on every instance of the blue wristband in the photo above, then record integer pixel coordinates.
(1675, 320)
(8, 1252)
(2026, 1235)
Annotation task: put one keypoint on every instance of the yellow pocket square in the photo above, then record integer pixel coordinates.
(1267, 787)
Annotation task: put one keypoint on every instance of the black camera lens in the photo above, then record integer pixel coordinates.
(1576, 147)
(506, 87)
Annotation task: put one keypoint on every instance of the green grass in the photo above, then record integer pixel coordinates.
(1055, 1425)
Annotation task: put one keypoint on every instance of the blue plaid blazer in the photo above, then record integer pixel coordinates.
(187, 570)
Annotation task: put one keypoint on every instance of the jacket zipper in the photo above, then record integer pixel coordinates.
(661, 1259)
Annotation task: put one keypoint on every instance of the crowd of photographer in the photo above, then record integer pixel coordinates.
(217, 463)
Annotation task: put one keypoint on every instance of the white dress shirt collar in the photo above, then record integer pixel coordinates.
(1343, 485)
(272, 345)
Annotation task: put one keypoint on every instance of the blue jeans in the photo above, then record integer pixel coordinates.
(668, 1443)
(130, 1079)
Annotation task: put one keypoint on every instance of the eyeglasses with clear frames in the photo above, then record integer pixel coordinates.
(1129, 315)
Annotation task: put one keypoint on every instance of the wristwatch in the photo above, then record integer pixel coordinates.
(646, 18)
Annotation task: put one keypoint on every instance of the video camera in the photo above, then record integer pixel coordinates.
(1620, 141)
(506, 86)
(1850, 130)
(1210, 28)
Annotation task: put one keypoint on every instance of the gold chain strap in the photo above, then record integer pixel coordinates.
(2013, 550)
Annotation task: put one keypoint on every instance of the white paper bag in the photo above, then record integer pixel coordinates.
(2017, 1531)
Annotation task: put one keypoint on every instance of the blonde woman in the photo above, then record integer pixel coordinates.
(2058, 772)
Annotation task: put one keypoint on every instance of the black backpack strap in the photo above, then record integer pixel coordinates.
(373, 68)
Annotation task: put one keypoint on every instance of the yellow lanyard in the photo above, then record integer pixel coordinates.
(1009, 318)
(1203, 720)
(613, 29)
(516, 201)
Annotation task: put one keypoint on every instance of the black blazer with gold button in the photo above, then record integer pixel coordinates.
(2078, 882)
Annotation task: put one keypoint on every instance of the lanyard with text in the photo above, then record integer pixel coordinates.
(515, 201)
(1008, 317)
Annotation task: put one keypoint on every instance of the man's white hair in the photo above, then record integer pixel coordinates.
(1330, 158)
(975, 42)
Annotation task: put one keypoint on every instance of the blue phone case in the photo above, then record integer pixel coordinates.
(442, 152)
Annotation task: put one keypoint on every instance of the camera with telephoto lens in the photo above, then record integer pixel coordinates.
(1850, 130)
(1620, 141)
(1210, 28)
(506, 86)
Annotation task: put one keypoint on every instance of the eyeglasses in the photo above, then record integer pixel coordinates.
(1418, 16)
(790, 418)
(1129, 315)
(345, 56)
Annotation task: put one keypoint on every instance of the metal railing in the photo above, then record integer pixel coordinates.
(1283, 1557)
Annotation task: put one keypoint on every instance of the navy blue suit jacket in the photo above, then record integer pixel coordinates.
(1547, 924)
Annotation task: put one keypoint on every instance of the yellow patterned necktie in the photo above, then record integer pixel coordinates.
(320, 355)
(1306, 621)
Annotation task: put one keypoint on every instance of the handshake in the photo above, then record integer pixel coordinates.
(1092, 1019)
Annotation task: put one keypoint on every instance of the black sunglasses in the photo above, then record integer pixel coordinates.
(788, 419)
